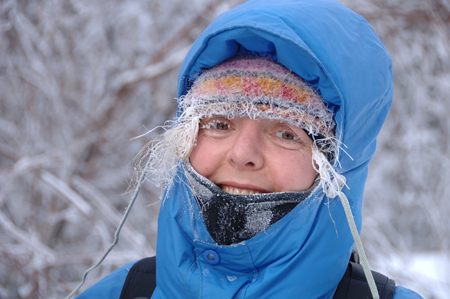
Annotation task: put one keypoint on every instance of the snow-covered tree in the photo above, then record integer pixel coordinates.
(79, 79)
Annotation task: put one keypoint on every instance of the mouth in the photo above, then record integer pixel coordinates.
(239, 191)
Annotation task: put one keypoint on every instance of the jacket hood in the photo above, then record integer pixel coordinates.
(331, 47)
(305, 253)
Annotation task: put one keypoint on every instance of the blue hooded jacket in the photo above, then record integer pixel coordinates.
(305, 254)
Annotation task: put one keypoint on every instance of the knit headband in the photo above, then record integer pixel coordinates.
(258, 87)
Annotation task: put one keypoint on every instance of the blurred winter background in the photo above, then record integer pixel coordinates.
(79, 79)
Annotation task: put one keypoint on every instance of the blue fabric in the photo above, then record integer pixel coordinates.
(110, 286)
(404, 293)
(305, 254)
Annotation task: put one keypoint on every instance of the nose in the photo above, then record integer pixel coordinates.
(246, 152)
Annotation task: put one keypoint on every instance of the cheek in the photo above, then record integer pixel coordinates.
(203, 157)
(294, 172)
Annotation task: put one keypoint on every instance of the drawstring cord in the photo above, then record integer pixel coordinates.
(336, 182)
(358, 244)
(117, 233)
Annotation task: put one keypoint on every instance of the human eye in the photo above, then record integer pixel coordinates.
(215, 124)
(222, 126)
(287, 135)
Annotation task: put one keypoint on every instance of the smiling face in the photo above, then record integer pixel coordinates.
(247, 156)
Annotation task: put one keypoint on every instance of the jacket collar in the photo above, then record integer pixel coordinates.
(300, 255)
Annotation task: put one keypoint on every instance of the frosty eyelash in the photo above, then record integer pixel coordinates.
(212, 125)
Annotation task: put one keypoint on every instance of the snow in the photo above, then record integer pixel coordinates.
(79, 79)
(427, 273)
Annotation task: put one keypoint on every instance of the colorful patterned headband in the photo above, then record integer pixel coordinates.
(259, 87)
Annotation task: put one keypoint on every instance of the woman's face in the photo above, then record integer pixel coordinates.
(247, 156)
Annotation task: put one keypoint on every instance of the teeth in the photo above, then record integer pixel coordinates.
(237, 191)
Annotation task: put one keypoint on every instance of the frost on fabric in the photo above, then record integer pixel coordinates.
(233, 218)
(231, 278)
(258, 87)
(259, 219)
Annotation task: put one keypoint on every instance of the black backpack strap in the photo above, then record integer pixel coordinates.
(354, 284)
(141, 280)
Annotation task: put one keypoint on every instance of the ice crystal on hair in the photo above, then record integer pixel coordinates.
(246, 86)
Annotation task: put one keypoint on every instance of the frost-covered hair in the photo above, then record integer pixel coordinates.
(251, 86)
